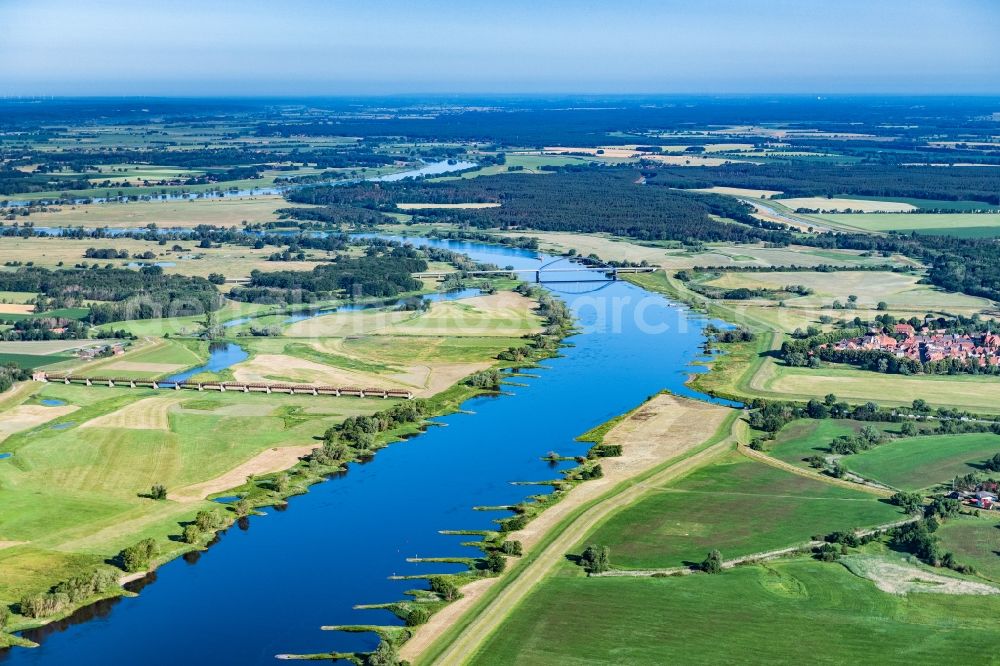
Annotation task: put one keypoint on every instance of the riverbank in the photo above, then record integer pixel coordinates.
(702, 431)
(268, 477)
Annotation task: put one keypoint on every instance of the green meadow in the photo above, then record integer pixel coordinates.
(922, 462)
(72, 490)
(974, 541)
(738, 506)
(788, 612)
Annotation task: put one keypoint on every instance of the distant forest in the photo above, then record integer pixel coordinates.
(874, 180)
(611, 200)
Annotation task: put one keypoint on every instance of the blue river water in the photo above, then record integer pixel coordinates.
(266, 588)
(428, 169)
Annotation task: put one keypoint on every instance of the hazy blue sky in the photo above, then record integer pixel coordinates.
(250, 47)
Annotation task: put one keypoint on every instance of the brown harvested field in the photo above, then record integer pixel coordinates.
(609, 151)
(23, 417)
(740, 192)
(146, 414)
(660, 430)
(231, 261)
(424, 206)
(16, 308)
(692, 160)
(156, 368)
(343, 324)
(504, 313)
(265, 462)
(840, 205)
(43, 347)
(221, 212)
(423, 379)
(281, 367)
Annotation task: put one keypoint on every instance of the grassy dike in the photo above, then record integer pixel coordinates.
(725, 438)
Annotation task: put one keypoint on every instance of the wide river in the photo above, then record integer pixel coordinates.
(267, 589)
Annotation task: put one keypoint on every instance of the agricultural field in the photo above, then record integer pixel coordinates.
(967, 392)
(233, 261)
(736, 505)
(901, 292)
(963, 225)
(920, 463)
(843, 204)
(793, 611)
(227, 212)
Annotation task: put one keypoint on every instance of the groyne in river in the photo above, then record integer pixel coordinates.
(267, 589)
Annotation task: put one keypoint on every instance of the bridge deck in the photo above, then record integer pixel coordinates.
(244, 387)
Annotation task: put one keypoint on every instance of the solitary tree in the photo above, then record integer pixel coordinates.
(713, 563)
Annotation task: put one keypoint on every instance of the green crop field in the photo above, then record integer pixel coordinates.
(922, 462)
(738, 506)
(789, 612)
(62, 313)
(32, 361)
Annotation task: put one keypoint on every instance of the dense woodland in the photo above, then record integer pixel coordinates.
(128, 294)
(611, 200)
(386, 274)
(817, 179)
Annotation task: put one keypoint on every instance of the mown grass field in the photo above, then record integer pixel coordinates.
(953, 224)
(899, 291)
(736, 505)
(922, 462)
(790, 612)
(976, 393)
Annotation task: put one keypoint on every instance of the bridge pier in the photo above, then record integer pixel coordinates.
(88, 382)
(222, 389)
(268, 390)
(111, 384)
(66, 380)
(246, 389)
(131, 383)
(177, 386)
(156, 384)
(201, 387)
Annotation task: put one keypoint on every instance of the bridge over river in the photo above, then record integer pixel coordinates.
(600, 273)
(222, 387)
